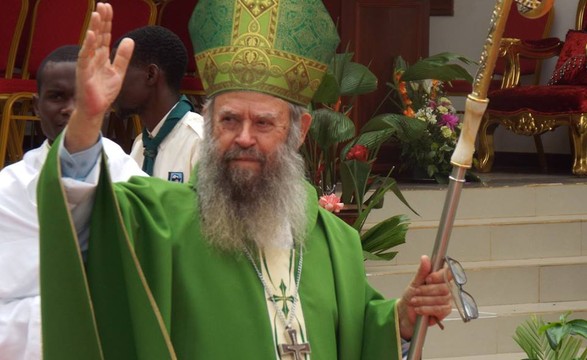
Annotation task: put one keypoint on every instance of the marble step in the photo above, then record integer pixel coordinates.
(501, 282)
(524, 248)
(500, 238)
(490, 336)
(489, 202)
(509, 356)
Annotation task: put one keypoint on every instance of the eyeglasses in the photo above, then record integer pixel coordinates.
(464, 302)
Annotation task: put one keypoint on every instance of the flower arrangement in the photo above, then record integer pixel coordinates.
(419, 94)
(431, 152)
(339, 161)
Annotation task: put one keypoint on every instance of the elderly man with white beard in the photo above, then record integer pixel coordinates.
(239, 263)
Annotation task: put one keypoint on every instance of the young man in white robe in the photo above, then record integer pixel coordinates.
(20, 315)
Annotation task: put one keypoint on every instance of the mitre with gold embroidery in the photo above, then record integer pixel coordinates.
(277, 47)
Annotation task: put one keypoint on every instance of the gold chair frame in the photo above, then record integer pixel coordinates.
(525, 122)
(12, 135)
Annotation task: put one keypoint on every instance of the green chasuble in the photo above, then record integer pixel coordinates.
(152, 288)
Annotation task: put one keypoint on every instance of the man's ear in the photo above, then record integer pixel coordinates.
(306, 122)
(153, 74)
(36, 104)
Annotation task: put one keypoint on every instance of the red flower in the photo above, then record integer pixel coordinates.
(358, 152)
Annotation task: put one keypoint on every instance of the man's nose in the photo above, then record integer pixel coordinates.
(245, 138)
(67, 108)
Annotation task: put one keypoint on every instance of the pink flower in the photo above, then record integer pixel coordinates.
(450, 120)
(331, 203)
(358, 152)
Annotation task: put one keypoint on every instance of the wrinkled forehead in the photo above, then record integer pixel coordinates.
(250, 104)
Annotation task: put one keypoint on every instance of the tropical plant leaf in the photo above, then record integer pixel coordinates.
(357, 80)
(371, 140)
(424, 70)
(438, 67)
(328, 92)
(391, 184)
(403, 127)
(386, 234)
(578, 327)
(528, 338)
(555, 335)
(534, 339)
(338, 64)
(330, 127)
(446, 57)
(379, 257)
(354, 176)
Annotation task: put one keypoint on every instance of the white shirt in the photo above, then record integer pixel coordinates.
(178, 152)
(20, 315)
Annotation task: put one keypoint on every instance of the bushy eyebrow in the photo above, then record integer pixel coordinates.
(262, 116)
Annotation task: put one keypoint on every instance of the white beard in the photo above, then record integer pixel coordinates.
(239, 206)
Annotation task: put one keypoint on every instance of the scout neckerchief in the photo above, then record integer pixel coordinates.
(151, 145)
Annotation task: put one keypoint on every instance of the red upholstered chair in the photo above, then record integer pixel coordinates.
(131, 14)
(535, 109)
(175, 15)
(12, 18)
(517, 27)
(53, 23)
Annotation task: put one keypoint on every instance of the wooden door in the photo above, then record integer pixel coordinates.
(377, 31)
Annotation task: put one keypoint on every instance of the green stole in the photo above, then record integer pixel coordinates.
(151, 284)
(151, 145)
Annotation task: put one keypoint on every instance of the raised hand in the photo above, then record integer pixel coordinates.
(98, 79)
(427, 294)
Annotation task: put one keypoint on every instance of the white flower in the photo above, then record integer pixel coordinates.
(444, 101)
(446, 132)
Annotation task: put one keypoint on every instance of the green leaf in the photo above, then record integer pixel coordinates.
(328, 92)
(391, 184)
(578, 327)
(423, 71)
(371, 140)
(385, 235)
(379, 257)
(357, 80)
(354, 176)
(339, 63)
(330, 127)
(556, 334)
(534, 338)
(438, 67)
(403, 127)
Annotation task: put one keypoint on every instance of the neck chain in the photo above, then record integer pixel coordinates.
(290, 316)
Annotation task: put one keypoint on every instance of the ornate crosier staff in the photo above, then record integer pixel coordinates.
(462, 157)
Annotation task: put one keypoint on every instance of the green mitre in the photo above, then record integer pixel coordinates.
(281, 48)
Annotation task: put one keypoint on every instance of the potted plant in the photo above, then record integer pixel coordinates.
(339, 159)
(418, 91)
(561, 340)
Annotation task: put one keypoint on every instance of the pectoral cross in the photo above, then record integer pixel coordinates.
(298, 350)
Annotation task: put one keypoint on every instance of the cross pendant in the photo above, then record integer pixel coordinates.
(298, 350)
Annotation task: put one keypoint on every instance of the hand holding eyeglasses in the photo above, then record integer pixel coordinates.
(464, 302)
(428, 294)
